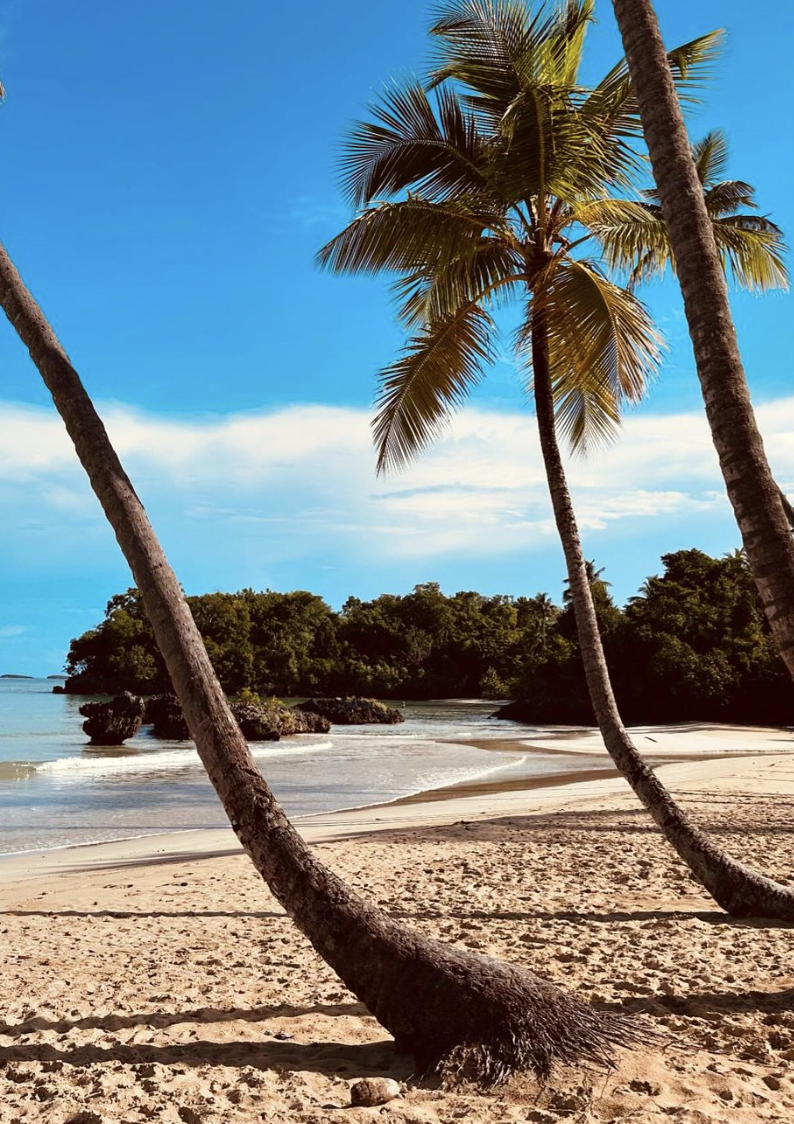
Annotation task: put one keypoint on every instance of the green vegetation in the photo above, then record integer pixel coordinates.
(693, 644)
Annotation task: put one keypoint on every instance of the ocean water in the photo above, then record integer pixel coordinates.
(56, 790)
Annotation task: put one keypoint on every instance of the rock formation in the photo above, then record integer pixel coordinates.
(354, 711)
(164, 713)
(112, 723)
(259, 722)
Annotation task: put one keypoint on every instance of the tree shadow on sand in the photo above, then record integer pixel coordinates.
(333, 1059)
(702, 1004)
(162, 1019)
(585, 917)
(145, 915)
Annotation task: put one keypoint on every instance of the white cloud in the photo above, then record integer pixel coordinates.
(9, 631)
(298, 480)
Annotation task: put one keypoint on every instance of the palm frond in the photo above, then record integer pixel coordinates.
(486, 45)
(603, 349)
(491, 276)
(752, 249)
(408, 144)
(710, 154)
(692, 65)
(633, 236)
(728, 196)
(565, 41)
(429, 382)
(407, 236)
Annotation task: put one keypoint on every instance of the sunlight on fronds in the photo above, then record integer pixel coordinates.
(603, 349)
(711, 156)
(752, 249)
(410, 235)
(432, 378)
(692, 66)
(492, 275)
(495, 183)
(408, 144)
(632, 236)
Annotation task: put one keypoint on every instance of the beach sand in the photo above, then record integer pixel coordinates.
(157, 980)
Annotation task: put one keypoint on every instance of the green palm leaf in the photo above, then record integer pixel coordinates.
(692, 66)
(633, 236)
(711, 156)
(603, 349)
(407, 144)
(752, 249)
(431, 379)
(492, 276)
(407, 236)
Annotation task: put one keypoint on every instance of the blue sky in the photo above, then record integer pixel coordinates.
(169, 173)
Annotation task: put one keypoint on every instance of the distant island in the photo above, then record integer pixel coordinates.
(10, 676)
(692, 645)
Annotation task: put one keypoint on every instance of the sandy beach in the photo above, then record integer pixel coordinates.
(156, 979)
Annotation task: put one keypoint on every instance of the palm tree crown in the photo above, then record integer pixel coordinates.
(497, 182)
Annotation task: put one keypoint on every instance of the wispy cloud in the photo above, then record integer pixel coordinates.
(300, 480)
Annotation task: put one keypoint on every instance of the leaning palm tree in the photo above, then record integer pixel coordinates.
(761, 511)
(505, 189)
(443, 1004)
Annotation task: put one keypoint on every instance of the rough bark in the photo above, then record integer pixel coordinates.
(755, 497)
(738, 889)
(437, 1001)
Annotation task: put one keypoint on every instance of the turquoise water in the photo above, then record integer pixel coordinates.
(56, 790)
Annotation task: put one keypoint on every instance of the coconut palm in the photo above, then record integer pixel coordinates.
(443, 1004)
(761, 511)
(506, 189)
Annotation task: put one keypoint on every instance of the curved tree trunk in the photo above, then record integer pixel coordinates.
(434, 999)
(738, 889)
(755, 497)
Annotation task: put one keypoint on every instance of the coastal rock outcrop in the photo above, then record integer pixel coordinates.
(164, 714)
(564, 709)
(296, 720)
(112, 723)
(354, 711)
(271, 721)
(259, 722)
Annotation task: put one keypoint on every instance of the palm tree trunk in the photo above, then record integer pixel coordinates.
(739, 890)
(435, 999)
(755, 497)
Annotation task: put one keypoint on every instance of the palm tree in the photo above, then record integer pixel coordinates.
(761, 512)
(594, 579)
(443, 1004)
(501, 191)
(546, 612)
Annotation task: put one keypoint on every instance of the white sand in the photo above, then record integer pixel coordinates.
(147, 980)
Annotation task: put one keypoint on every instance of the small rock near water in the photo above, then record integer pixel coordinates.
(112, 723)
(354, 711)
(373, 1090)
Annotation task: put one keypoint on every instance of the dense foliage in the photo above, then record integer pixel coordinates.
(693, 644)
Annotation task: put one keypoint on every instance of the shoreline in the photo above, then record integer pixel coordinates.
(467, 800)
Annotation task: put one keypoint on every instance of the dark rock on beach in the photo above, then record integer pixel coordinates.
(296, 720)
(259, 722)
(354, 711)
(164, 713)
(271, 721)
(112, 723)
(562, 709)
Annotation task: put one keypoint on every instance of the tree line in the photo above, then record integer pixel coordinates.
(692, 644)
